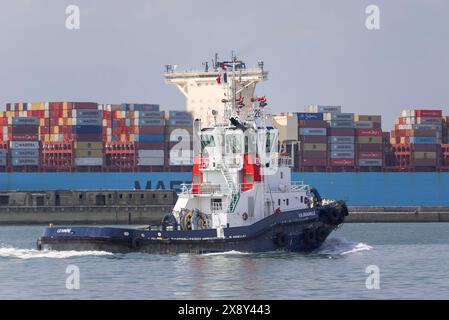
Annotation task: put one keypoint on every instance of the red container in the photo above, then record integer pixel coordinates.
(342, 162)
(314, 154)
(151, 145)
(24, 137)
(313, 139)
(85, 105)
(312, 124)
(377, 125)
(426, 147)
(369, 132)
(422, 133)
(369, 147)
(370, 155)
(424, 162)
(55, 106)
(429, 113)
(341, 131)
(309, 162)
(151, 129)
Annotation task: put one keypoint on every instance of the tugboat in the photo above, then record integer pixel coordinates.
(241, 197)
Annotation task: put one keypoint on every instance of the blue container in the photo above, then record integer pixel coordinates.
(25, 121)
(87, 129)
(179, 114)
(149, 137)
(88, 113)
(151, 114)
(180, 122)
(89, 121)
(151, 122)
(313, 131)
(310, 116)
(423, 140)
(139, 107)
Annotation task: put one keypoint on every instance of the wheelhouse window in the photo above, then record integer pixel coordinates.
(207, 140)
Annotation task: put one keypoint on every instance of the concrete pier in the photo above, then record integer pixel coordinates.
(152, 214)
(367, 214)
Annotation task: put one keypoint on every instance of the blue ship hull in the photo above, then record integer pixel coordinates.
(368, 188)
(299, 230)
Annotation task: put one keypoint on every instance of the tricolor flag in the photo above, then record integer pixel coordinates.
(223, 77)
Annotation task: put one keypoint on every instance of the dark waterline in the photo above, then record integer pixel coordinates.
(412, 259)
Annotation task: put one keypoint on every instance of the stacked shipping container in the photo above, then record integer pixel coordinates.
(87, 132)
(24, 143)
(341, 139)
(369, 138)
(312, 133)
(137, 136)
(420, 132)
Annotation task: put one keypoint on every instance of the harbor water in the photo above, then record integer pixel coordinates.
(406, 261)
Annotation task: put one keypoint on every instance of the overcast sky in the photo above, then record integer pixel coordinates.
(317, 52)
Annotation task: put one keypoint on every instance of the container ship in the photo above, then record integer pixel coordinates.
(89, 145)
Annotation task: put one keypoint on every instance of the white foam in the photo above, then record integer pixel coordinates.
(341, 246)
(232, 252)
(11, 252)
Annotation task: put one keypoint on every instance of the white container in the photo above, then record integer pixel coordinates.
(25, 161)
(408, 112)
(24, 144)
(338, 116)
(88, 162)
(316, 108)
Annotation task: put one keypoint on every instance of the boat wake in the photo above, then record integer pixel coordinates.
(230, 253)
(11, 252)
(341, 246)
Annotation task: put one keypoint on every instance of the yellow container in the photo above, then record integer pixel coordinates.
(424, 155)
(315, 147)
(402, 140)
(89, 145)
(374, 118)
(89, 153)
(369, 139)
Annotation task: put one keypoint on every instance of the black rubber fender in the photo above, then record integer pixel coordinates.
(310, 236)
(321, 234)
(280, 239)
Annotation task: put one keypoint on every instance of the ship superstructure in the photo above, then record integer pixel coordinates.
(205, 89)
(239, 177)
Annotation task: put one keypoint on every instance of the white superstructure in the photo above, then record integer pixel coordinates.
(206, 89)
(239, 177)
